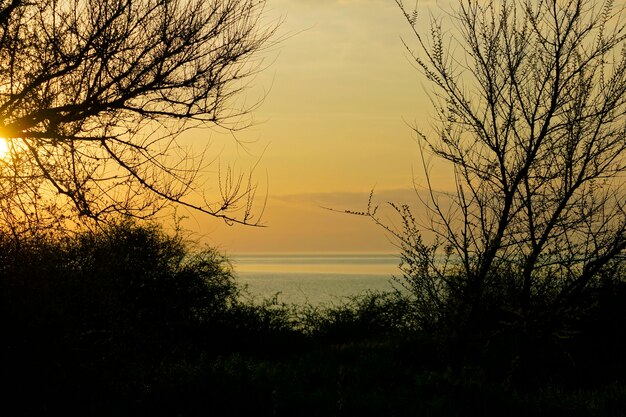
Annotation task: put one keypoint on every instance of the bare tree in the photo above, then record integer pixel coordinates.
(530, 98)
(94, 93)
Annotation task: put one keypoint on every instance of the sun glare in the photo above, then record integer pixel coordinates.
(4, 147)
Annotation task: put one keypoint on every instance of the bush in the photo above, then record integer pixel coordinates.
(367, 315)
(111, 307)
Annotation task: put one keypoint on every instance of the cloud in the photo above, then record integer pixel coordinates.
(352, 200)
(299, 222)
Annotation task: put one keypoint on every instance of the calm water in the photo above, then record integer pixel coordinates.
(315, 278)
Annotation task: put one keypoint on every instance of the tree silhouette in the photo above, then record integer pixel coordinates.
(93, 95)
(530, 101)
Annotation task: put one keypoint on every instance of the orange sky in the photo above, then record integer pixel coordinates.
(341, 92)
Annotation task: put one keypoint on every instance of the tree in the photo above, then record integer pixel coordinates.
(530, 101)
(94, 94)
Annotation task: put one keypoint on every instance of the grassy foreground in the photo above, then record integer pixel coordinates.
(130, 321)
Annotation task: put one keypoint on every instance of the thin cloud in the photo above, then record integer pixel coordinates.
(351, 200)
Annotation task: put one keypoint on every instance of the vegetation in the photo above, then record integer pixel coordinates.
(130, 321)
(529, 98)
(515, 309)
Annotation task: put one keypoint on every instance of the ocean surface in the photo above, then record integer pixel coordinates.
(314, 278)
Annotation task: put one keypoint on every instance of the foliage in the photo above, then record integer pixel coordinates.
(127, 288)
(369, 314)
(118, 312)
(131, 321)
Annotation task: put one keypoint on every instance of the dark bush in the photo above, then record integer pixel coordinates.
(106, 311)
(129, 321)
(371, 314)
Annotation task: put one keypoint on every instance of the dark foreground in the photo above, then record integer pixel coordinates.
(129, 322)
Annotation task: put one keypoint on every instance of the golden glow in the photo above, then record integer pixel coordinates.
(4, 148)
(334, 125)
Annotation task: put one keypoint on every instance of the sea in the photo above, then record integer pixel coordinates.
(315, 278)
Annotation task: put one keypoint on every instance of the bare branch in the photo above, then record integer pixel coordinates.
(95, 93)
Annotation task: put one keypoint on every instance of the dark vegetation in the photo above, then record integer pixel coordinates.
(130, 321)
(516, 308)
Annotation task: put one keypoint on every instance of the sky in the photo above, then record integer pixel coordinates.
(340, 94)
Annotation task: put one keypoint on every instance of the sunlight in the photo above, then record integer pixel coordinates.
(4, 147)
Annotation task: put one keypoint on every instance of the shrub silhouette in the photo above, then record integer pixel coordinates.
(525, 241)
(110, 307)
(129, 321)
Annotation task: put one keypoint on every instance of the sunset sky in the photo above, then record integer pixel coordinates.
(341, 94)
